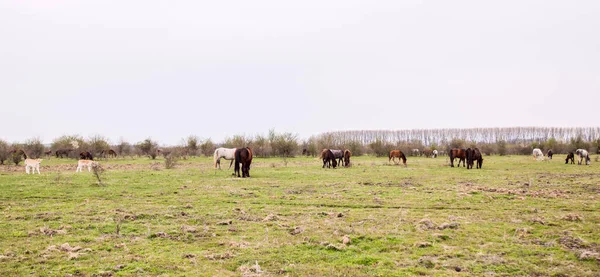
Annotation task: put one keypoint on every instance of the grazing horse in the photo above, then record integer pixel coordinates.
(550, 153)
(85, 155)
(571, 157)
(243, 156)
(459, 153)
(85, 163)
(397, 154)
(474, 155)
(427, 152)
(339, 155)
(48, 153)
(583, 155)
(415, 152)
(225, 153)
(347, 155)
(328, 158)
(108, 153)
(434, 153)
(62, 152)
(537, 154)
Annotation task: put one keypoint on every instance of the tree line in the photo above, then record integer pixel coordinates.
(491, 141)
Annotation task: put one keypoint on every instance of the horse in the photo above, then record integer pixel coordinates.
(571, 157)
(434, 153)
(537, 154)
(415, 152)
(339, 155)
(85, 155)
(397, 154)
(328, 158)
(108, 153)
(243, 156)
(459, 153)
(550, 153)
(583, 155)
(427, 152)
(48, 153)
(30, 164)
(474, 155)
(83, 163)
(347, 155)
(225, 153)
(62, 152)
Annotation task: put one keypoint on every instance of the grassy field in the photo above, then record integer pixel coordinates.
(514, 217)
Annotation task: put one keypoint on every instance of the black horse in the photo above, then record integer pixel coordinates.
(243, 156)
(571, 157)
(85, 155)
(550, 154)
(62, 152)
(474, 155)
(328, 158)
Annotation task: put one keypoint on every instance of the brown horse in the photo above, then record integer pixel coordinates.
(459, 153)
(571, 157)
(427, 152)
(347, 155)
(243, 156)
(474, 155)
(328, 158)
(48, 153)
(108, 153)
(62, 152)
(85, 155)
(397, 154)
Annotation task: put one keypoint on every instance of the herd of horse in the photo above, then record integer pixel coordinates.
(584, 156)
(332, 158)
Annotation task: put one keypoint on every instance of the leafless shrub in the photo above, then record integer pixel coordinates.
(192, 145)
(34, 148)
(171, 159)
(123, 148)
(98, 171)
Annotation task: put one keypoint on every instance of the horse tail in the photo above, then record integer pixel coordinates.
(215, 157)
(403, 157)
(238, 158)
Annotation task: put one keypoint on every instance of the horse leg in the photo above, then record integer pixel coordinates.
(230, 164)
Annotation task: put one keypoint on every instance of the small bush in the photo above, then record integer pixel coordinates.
(4, 151)
(34, 148)
(207, 147)
(171, 160)
(98, 171)
(148, 148)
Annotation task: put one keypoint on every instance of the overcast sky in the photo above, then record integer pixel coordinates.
(168, 69)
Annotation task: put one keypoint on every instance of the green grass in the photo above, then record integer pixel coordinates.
(150, 221)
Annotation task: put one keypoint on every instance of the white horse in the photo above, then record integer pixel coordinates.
(538, 154)
(435, 153)
(32, 164)
(583, 154)
(83, 163)
(225, 153)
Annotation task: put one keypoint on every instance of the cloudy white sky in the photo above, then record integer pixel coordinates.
(168, 69)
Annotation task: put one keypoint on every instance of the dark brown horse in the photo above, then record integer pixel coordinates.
(347, 155)
(427, 152)
(328, 158)
(48, 153)
(243, 156)
(397, 154)
(85, 155)
(459, 153)
(571, 157)
(62, 152)
(550, 154)
(108, 153)
(474, 155)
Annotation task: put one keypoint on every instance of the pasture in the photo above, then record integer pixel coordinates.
(516, 216)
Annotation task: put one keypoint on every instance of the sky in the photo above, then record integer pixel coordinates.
(170, 69)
